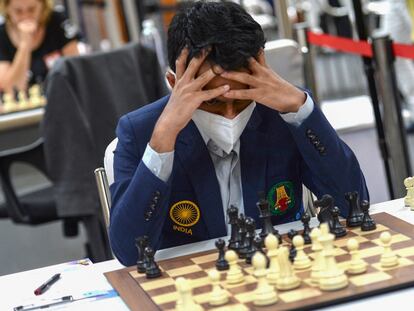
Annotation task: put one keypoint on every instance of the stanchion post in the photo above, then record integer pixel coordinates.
(395, 136)
(308, 52)
(284, 25)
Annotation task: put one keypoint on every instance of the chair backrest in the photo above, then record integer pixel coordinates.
(109, 161)
(104, 193)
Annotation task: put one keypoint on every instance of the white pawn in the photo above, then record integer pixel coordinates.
(23, 103)
(185, 300)
(409, 198)
(218, 296)
(9, 103)
(357, 265)
(287, 277)
(272, 244)
(388, 257)
(301, 260)
(318, 262)
(264, 294)
(235, 274)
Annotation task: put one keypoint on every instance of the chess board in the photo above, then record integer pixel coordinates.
(140, 293)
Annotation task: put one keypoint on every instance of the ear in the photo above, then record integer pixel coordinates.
(170, 76)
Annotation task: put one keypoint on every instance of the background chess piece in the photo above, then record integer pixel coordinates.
(368, 223)
(141, 243)
(272, 244)
(355, 215)
(221, 263)
(234, 242)
(292, 252)
(265, 294)
(356, 265)
(409, 198)
(301, 260)
(218, 296)
(152, 271)
(235, 274)
(388, 258)
(250, 235)
(337, 228)
(266, 216)
(306, 228)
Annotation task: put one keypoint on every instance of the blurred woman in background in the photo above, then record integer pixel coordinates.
(32, 37)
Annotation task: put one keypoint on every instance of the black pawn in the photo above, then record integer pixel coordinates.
(337, 228)
(325, 204)
(355, 215)
(266, 216)
(292, 252)
(221, 263)
(141, 243)
(153, 271)
(258, 245)
(306, 228)
(234, 242)
(368, 223)
(251, 249)
(242, 233)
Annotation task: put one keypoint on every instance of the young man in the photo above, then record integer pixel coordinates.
(230, 128)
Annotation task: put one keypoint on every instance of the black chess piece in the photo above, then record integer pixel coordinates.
(326, 204)
(258, 245)
(234, 242)
(337, 228)
(242, 233)
(368, 223)
(355, 215)
(266, 216)
(141, 243)
(292, 252)
(153, 271)
(306, 228)
(250, 235)
(221, 263)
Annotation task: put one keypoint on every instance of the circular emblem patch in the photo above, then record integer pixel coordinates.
(185, 213)
(281, 198)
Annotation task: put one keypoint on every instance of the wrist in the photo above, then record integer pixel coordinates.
(163, 138)
(295, 101)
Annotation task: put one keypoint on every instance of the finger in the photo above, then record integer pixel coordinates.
(202, 80)
(241, 77)
(181, 62)
(195, 64)
(261, 58)
(254, 65)
(213, 93)
(241, 94)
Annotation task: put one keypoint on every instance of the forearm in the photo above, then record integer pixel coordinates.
(16, 75)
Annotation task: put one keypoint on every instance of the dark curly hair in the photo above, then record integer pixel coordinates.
(226, 27)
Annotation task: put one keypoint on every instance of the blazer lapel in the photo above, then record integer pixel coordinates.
(196, 161)
(253, 157)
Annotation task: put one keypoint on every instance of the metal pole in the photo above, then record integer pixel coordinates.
(132, 19)
(369, 73)
(395, 136)
(285, 28)
(308, 52)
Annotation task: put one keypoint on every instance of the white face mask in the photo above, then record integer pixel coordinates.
(224, 132)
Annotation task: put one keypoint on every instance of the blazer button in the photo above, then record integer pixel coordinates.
(317, 143)
(157, 194)
(309, 132)
(322, 150)
(152, 206)
(155, 200)
(148, 215)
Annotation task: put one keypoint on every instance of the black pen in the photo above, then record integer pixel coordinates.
(45, 286)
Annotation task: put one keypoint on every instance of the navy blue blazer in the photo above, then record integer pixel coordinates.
(275, 157)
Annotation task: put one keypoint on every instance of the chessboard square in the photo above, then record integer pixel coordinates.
(165, 298)
(395, 239)
(372, 251)
(299, 294)
(183, 270)
(402, 262)
(245, 297)
(369, 278)
(405, 252)
(204, 259)
(248, 279)
(238, 307)
(249, 270)
(158, 283)
(205, 297)
(378, 229)
(343, 242)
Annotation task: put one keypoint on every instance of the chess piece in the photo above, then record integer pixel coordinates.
(332, 277)
(287, 278)
(409, 198)
(325, 204)
(185, 300)
(234, 242)
(266, 217)
(265, 294)
(368, 223)
(141, 243)
(355, 215)
(35, 96)
(306, 229)
(272, 244)
(292, 251)
(235, 274)
(152, 271)
(9, 103)
(221, 263)
(301, 260)
(356, 265)
(242, 232)
(23, 103)
(251, 249)
(258, 244)
(318, 262)
(388, 258)
(218, 296)
(337, 228)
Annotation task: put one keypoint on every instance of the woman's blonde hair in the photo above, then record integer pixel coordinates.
(46, 12)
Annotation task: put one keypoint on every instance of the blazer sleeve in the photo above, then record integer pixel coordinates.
(329, 166)
(139, 198)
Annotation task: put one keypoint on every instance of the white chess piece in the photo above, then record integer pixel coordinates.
(318, 260)
(23, 103)
(9, 103)
(287, 277)
(185, 300)
(332, 277)
(235, 274)
(218, 296)
(409, 198)
(301, 260)
(388, 257)
(272, 244)
(356, 265)
(264, 294)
